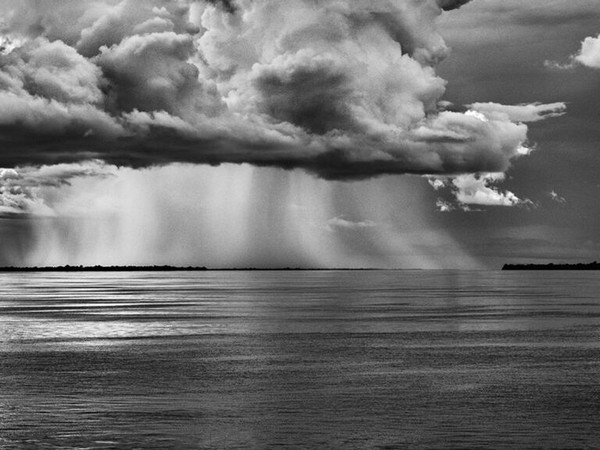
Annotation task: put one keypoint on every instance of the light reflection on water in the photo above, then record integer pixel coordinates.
(376, 359)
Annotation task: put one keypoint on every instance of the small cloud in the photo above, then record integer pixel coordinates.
(555, 65)
(444, 206)
(436, 183)
(524, 150)
(529, 112)
(8, 44)
(588, 56)
(480, 190)
(476, 114)
(6, 174)
(445, 105)
(340, 223)
(475, 189)
(557, 198)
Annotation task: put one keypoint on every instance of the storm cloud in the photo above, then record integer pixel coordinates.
(343, 89)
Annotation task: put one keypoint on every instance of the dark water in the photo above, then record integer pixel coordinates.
(378, 359)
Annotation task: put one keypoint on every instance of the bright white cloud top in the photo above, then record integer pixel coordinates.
(589, 54)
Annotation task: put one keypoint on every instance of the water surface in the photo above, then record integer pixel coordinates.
(332, 359)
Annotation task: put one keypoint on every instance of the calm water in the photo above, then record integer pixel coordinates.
(378, 359)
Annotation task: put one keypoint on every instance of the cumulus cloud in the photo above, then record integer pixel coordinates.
(475, 189)
(589, 54)
(444, 206)
(23, 191)
(436, 183)
(479, 190)
(344, 89)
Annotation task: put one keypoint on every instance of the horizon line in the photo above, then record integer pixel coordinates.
(168, 268)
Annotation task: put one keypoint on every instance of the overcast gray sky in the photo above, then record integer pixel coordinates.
(416, 133)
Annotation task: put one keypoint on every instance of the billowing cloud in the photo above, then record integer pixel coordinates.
(479, 190)
(589, 54)
(344, 89)
(23, 191)
(444, 206)
(475, 189)
(14, 198)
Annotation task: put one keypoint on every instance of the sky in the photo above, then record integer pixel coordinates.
(304, 133)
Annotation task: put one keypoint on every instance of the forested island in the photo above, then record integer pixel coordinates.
(579, 266)
(163, 269)
(68, 268)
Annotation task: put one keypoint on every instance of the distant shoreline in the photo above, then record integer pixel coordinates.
(579, 266)
(68, 268)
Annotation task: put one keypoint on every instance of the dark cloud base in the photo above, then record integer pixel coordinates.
(342, 89)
